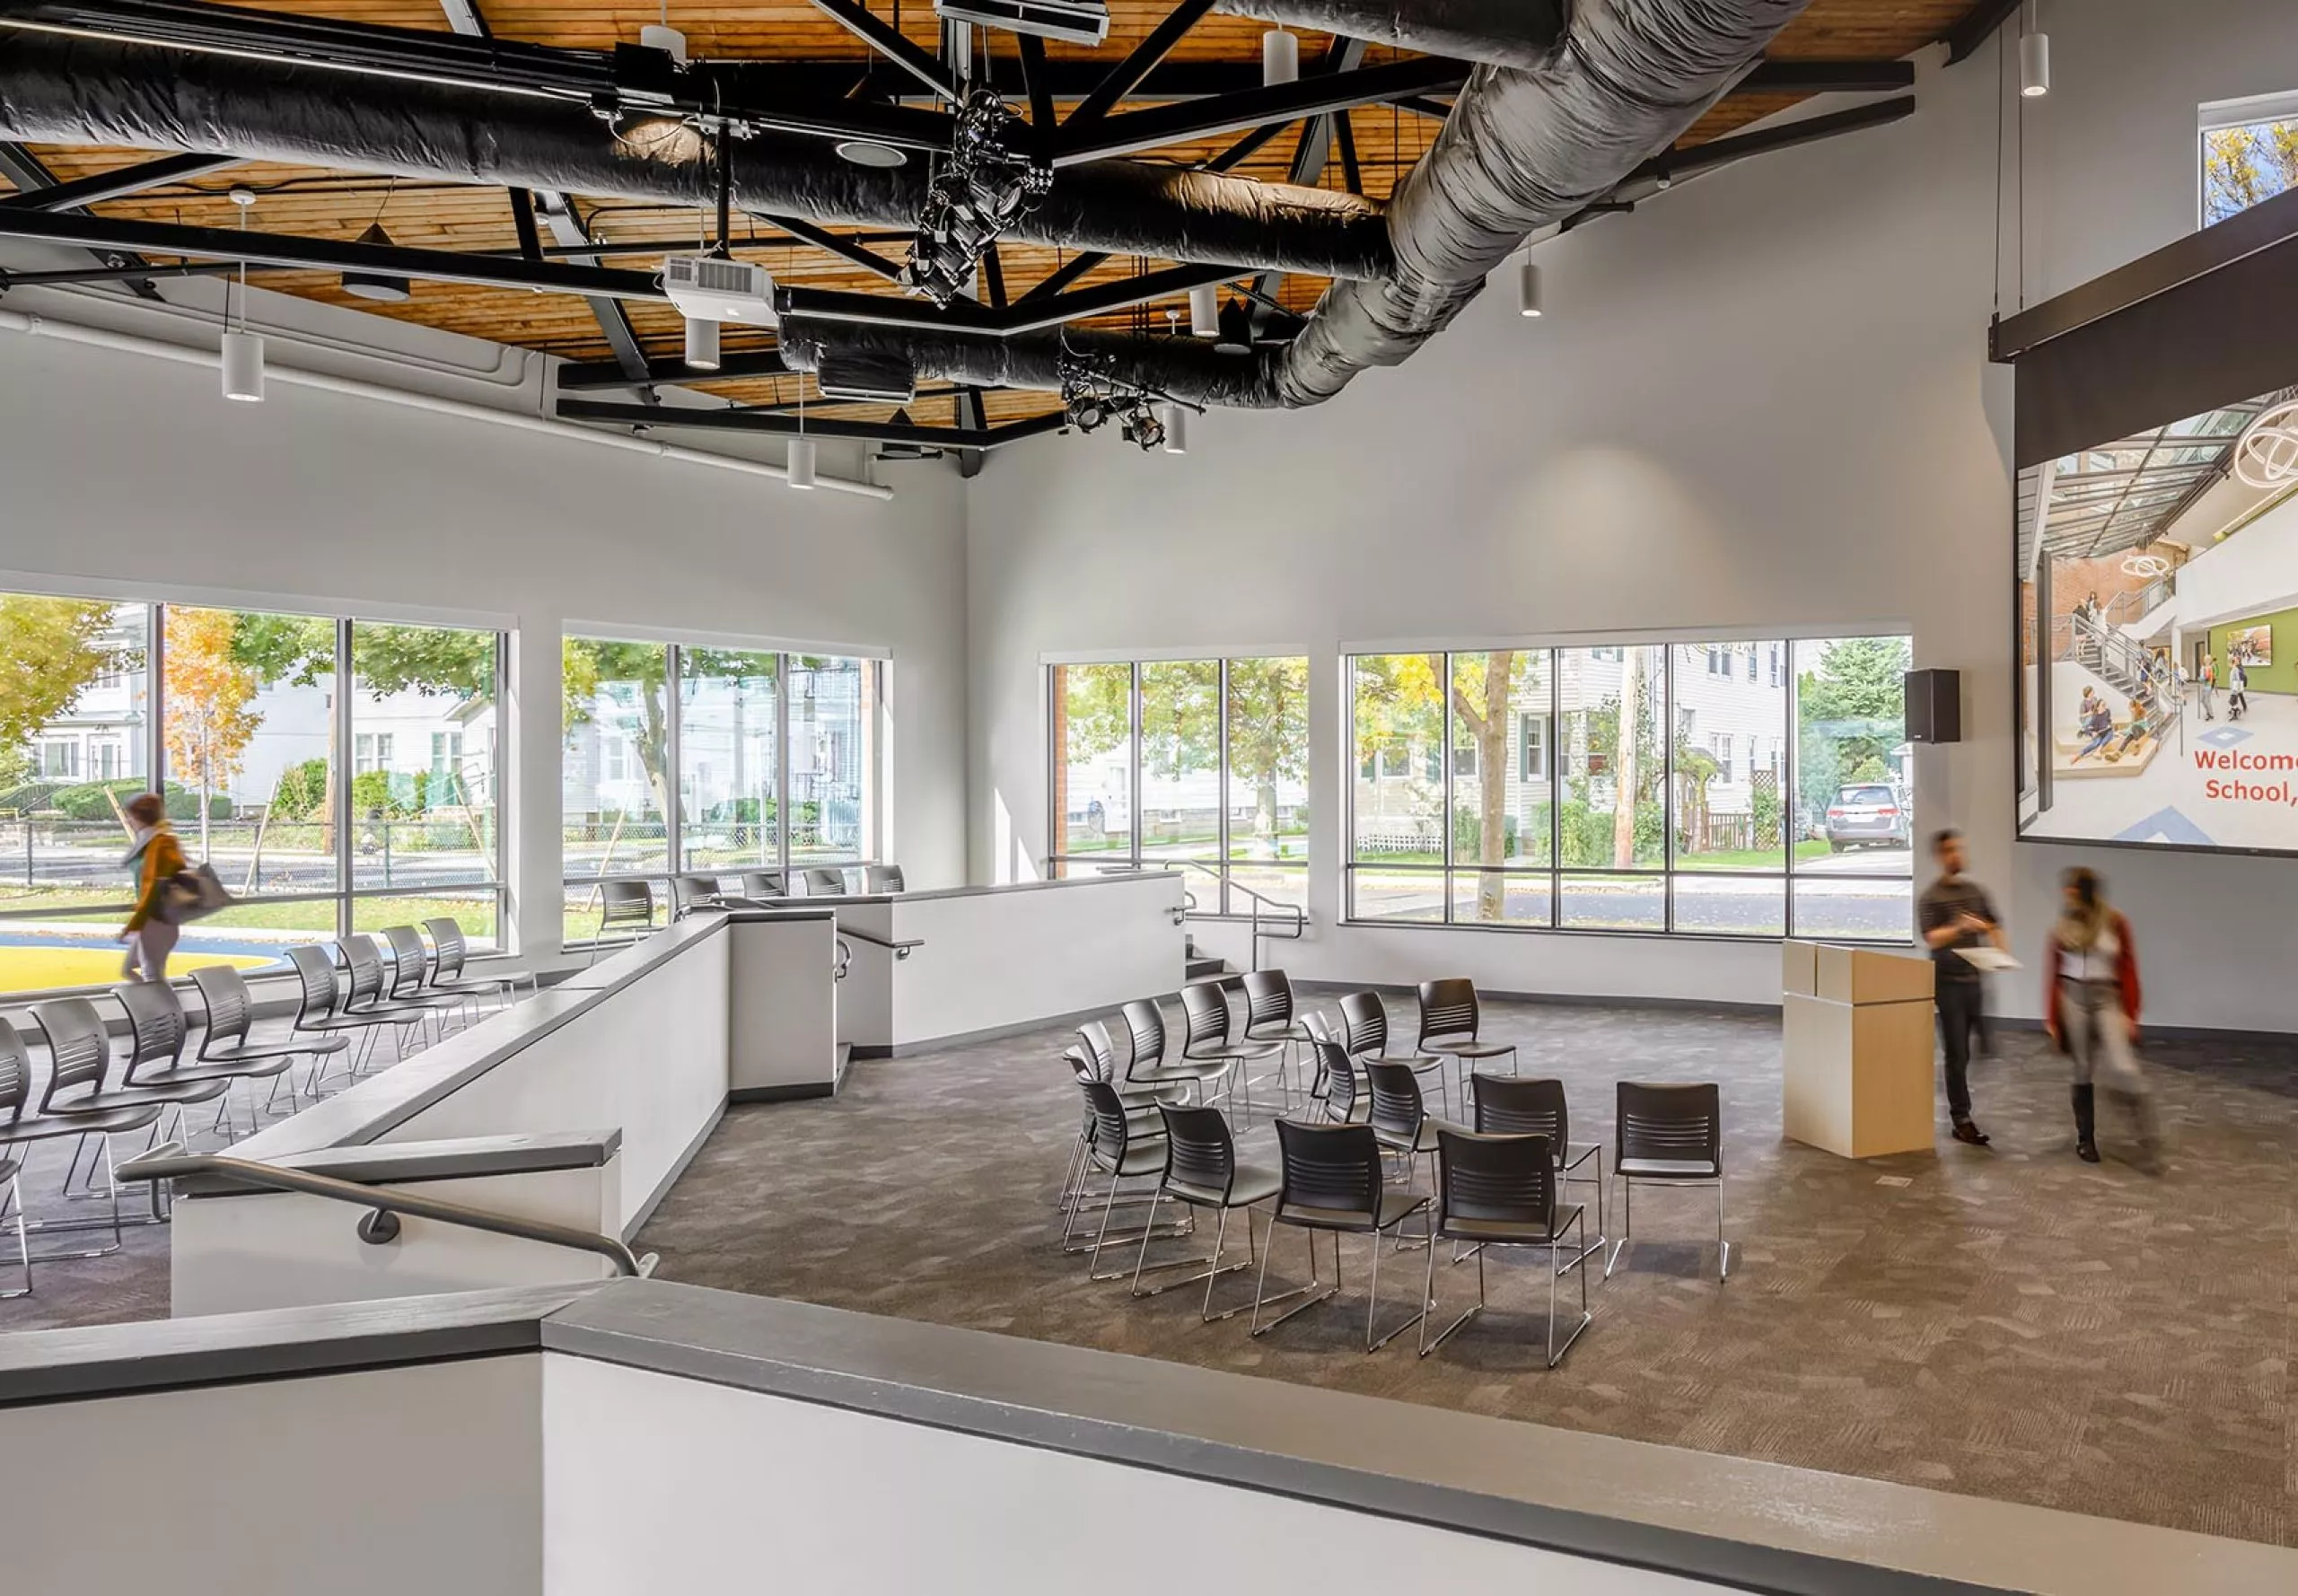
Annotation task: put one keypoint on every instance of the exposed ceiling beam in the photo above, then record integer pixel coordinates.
(328, 255)
(522, 224)
(1343, 54)
(992, 278)
(1037, 81)
(1245, 148)
(20, 167)
(1421, 105)
(115, 184)
(114, 274)
(844, 248)
(1134, 131)
(1127, 74)
(743, 419)
(583, 375)
(1826, 77)
(1029, 315)
(881, 37)
(1062, 275)
(1344, 135)
(1977, 26)
(972, 417)
(1737, 146)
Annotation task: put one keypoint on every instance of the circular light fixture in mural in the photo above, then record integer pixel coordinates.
(2267, 455)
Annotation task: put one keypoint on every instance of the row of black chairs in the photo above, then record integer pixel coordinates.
(1504, 1180)
(627, 908)
(417, 988)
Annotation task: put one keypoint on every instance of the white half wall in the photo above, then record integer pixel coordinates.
(1761, 401)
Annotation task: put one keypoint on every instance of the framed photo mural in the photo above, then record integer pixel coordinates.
(2156, 547)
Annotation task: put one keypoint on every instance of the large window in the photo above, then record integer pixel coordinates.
(721, 760)
(1730, 788)
(2249, 158)
(254, 718)
(1218, 752)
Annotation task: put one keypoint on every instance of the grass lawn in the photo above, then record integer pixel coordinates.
(1729, 859)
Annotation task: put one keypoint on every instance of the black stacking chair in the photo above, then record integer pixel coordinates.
(765, 883)
(158, 1028)
(1365, 1019)
(1140, 1107)
(320, 1012)
(79, 1053)
(409, 986)
(227, 1040)
(691, 892)
(1123, 1154)
(883, 878)
(1449, 1015)
(1269, 1018)
(1399, 1118)
(368, 984)
(1669, 1135)
(623, 905)
(1330, 1182)
(451, 951)
(1500, 1191)
(1514, 1106)
(19, 1129)
(1204, 1016)
(1144, 1020)
(1343, 1094)
(826, 881)
(1202, 1171)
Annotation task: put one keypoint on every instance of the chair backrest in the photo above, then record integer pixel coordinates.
(1448, 1008)
(16, 1075)
(224, 994)
(824, 880)
(1317, 1028)
(1507, 1106)
(315, 976)
(1367, 1018)
(1205, 1014)
(691, 892)
(449, 949)
(1111, 1133)
(1080, 1060)
(1495, 1180)
(156, 1026)
(1342, 1085)
(625, 904)
(1094, 1038)
(79, 1049)
(1335, 1168)
(363, 965)
(765, 883)
(1397, 1106)
(1145, 1018)
(1198, 1148)
(1268, 998)
(1678, 1120)
(884, 878)
(410, 960)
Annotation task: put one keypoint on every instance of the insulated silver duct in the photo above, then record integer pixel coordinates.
(1186, 368)
(1523, 149)
(60, 89)
(1498, 33)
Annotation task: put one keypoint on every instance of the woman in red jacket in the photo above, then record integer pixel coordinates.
(2091, 1007)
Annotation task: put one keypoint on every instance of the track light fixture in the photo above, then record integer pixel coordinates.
(1176, 420)
(989, 179)
(1528, 289)
(242, 351)
(2034, 57)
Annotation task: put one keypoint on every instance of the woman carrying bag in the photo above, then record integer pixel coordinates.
(2090, 1002)
(157, 858)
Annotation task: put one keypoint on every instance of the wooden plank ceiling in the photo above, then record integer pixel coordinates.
(342, 204)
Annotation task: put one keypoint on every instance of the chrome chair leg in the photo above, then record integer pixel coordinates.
(1261, 1301)
(1373, 1299)
(16, 1197)
(1215, 1267)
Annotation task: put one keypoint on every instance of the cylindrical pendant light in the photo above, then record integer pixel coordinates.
(801, 463)
(1204, 312)
(244, 367)
(1176, 420)
(661, 36)
(702, 343)
(1280, 56)
(1528, 289)
(2034, 65)
(961, 37)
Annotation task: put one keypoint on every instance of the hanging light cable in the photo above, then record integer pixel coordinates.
(242, 351)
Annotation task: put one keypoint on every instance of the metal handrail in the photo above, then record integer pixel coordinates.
(900, 950)
(1294, 914)
(169, 1160)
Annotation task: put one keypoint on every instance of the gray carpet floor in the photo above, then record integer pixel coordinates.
(2005, 1321)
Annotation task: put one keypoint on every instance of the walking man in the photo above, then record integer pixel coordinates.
(2209, 686)
(1955, 913)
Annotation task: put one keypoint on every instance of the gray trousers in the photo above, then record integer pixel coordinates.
(2098, 1036)
(148, 950)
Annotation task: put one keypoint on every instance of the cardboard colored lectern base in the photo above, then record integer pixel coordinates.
(1857, 1074)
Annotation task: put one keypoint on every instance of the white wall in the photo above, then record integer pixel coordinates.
(1761, 401)
(122, 468)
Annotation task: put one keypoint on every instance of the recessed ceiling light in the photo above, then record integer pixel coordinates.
(862, 151)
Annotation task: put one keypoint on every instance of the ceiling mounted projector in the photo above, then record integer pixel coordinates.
(1075, 22)
(717, 289)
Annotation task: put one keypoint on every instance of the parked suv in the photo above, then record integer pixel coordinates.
(1866, 812)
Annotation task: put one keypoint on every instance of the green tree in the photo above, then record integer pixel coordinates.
(50, 650)
(1269, 733)
(1851, 713)
(210, 703)
(2242, 166)
(1485, 690)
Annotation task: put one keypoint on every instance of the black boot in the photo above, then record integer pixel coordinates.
(2086, 1123)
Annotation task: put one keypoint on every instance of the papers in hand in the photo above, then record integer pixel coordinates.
(1991, 960)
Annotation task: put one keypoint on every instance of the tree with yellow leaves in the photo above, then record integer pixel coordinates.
(210, 696)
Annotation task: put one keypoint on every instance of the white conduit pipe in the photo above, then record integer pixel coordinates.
(74, 332)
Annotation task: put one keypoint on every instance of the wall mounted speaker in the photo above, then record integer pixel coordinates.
(1934, 707)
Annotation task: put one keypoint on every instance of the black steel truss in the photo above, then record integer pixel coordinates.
(1127, 74)
(779, 423)
(1979, 24)
(881, 37)
(583, 375)
(20, 167)
(1026, 315)
(1133, 131)
(114, 185)
(844, 248)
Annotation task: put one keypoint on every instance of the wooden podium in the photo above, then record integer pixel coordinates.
(1856, 1076)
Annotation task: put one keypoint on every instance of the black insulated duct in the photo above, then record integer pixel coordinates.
(61, 90)
(1496, 32)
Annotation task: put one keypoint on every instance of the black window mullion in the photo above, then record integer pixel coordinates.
(1221, 787)
(1664, 723)
(344, 855)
